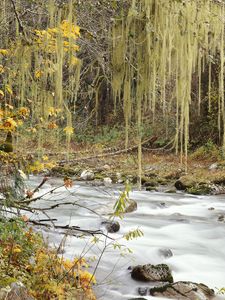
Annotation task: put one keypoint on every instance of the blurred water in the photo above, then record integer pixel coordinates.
(184, 224)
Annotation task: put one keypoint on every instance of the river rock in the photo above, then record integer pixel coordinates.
(106, 167)
(184, 182)
(183, 290)
(150, 272)
(221, 218)
(166, 253)
(16, 291)
(107, 181)
(142, 291)
(192, 186)
(213, 167)
(111, 226)
(87, 175)
(132, 206)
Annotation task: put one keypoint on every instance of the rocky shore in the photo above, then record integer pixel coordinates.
(159, 174)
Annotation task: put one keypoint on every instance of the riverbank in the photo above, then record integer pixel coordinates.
(161, 172)
(30, 269)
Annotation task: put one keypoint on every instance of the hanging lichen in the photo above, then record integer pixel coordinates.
(157, 41)
(43, 70)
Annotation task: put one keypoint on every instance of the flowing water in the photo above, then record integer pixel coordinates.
(187, 225)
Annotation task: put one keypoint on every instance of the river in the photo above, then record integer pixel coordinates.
(185, 224)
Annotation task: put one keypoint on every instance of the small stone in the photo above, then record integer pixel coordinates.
(112, 226)
(87, 175)
(211, 208)
(221, 218)
(167, 253)
(132, 206)
(106, 167)
(142, 291)
(107, 181)
(213, 166)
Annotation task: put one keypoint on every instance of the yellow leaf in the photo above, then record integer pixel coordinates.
(19, 122)
(24, 111)
(8, 89)
(68, 130)
(9, 106)
(74, 60)
(2, 70)
(38, 74)
(45, 157)
(10, 124)
(51, 111)
(4, 52)
(1, 114)
(17, 249)
(2, 93)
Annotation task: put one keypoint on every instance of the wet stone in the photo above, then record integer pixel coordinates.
(152, 273)
(142, 291)
(166, 253)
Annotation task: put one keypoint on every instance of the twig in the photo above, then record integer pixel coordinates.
(72, 228)
(21, 28)
(62, 162)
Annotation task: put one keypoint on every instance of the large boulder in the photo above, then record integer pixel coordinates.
(183, 290)
(152, 273)
(184, 183)
(194, 186)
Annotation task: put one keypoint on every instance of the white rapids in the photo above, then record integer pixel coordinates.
(187, 225)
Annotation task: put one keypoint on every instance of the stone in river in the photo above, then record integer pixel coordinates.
(183, 290)
(152, 273)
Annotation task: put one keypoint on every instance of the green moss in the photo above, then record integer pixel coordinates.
(65, 170)
(169, 276)
(199, 189)
(150, 188)
(99, 176)
(159, 289)
(6, 281)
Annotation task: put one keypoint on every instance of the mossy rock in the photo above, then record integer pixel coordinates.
(131, 206)
(185, 182)
(65, 170)
(152, 273)
(219, 179)
(150, 188)
(162, 181)
(99, 176)
(151, 183)
(199, 189)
